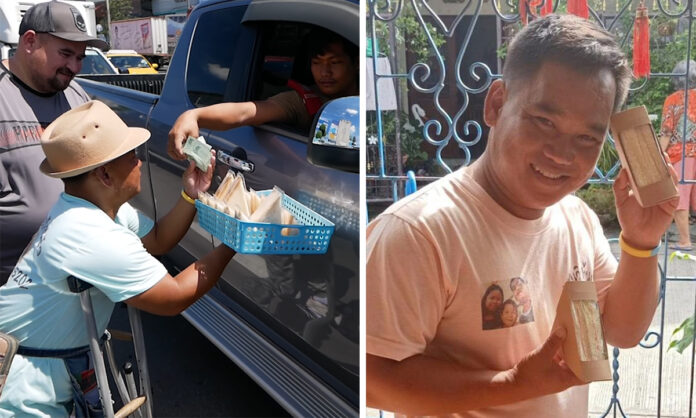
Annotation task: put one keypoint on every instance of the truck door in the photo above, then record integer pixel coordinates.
(312, 299)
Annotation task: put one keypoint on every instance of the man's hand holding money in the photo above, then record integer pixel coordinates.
(194, 181)
(198, 151)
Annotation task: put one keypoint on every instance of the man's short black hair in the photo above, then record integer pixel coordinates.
(76, 179)
(319, 40)
(569, 40)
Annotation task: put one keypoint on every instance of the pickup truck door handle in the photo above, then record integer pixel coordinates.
(236, 159)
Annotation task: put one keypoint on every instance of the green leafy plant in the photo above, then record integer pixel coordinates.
(686, 328)
(600, 197)
(404, 33)
(411, 140)
(121, 9)
(687, 336)
(410, 34)
(667, 47)
(411, 137)
(608, 157)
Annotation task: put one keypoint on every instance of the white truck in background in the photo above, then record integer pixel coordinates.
(147, 36)
(12, 11)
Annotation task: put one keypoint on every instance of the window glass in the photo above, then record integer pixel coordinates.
(129, 61)
(282, 58)
(95, 64)
(212, 53)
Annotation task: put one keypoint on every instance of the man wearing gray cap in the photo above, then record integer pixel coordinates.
(36, 86)
(94, 235)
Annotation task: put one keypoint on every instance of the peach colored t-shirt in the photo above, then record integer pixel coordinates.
(431, 258)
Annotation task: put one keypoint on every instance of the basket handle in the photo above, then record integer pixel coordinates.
(289, 232)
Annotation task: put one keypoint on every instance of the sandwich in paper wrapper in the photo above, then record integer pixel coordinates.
(639, 152)
(233, 198)
(584, 349)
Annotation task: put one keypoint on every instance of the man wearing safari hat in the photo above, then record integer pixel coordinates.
(36, 86)
(93, 234)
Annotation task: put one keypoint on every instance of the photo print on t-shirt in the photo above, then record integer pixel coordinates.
(506, 303)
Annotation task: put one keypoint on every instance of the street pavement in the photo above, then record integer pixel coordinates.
(639, 368)
(190, 376)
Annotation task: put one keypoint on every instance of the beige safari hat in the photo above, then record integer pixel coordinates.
(86, 137)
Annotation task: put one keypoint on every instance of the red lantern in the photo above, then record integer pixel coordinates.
(523, 12)
(579, 8)
(641, 43)
(547, 7)
(532, 6)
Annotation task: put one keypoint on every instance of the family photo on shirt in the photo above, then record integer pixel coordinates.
(506, 303)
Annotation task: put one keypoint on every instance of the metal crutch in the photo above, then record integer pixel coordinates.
(97, 357)
(141, 358)
(78, 286)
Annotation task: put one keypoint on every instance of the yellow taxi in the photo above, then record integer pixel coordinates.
(128, 61)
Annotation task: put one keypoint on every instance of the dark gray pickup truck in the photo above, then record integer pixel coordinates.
(290, 321)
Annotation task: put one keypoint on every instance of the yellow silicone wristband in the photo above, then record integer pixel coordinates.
(187, 198)
(636, 252)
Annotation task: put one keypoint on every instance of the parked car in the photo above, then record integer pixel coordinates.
(130, 62)
(95, 62)
(290, 321)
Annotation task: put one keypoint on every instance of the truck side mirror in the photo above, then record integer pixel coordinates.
(335, 140)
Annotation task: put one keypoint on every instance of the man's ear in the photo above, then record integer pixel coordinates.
(493, 105)
(103, 176)
(30, 40)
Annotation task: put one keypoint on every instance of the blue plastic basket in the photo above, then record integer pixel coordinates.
(310, 234)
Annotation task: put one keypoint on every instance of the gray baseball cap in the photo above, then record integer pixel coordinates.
(61, 20)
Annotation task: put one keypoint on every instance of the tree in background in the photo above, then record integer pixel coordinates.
(394, 38)
(118, 10)
(121, 9)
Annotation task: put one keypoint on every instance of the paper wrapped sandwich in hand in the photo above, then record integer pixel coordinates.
(640, 153)
(584, 349)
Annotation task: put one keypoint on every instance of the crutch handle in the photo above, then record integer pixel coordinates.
(130, 407)
(121, 335)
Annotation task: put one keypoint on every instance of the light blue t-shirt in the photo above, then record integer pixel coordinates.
(36, 306)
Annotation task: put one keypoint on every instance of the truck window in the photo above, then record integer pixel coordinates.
(281, 57)
(212, 54)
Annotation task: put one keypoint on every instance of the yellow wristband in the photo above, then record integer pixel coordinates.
(636, 252)
(187, 198)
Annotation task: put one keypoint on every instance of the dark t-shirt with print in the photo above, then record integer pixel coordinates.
(26, 194)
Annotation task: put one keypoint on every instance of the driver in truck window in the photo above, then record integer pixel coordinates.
(334, 67)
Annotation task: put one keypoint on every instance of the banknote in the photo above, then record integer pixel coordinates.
(198, 151)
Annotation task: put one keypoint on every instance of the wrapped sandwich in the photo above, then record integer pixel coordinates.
(584, 349)
(233, 198)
